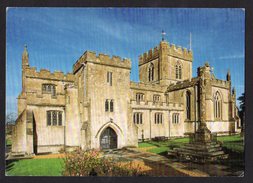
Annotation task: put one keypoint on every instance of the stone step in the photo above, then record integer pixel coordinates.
(201, 155)
(198, 153)
(203, 145)
(206, 149)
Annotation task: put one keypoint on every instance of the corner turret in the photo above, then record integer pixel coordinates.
(25, 58)
(228, 76)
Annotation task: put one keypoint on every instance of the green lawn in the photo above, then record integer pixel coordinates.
(163, 147)
(8, 142)
(36, 167)
(54, 167)
(233, 143)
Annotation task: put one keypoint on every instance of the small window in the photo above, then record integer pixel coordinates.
(139, 97)
(49, 89)
(49, 118)
(106, 106)
(109, 78)
(175, 118)
(111, 106)
(137, 118)
(54, 118)
(60, 119)
(158, 118)
(156, 98)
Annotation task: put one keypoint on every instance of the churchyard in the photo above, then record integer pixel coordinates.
(150, 158)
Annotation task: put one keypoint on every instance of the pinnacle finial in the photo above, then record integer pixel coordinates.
(228, 75)
(163, 35)
(25, 56)
(25, 49)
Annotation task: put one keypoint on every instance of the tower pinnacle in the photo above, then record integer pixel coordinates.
(25, 57)
(163, 35)
(228, 76)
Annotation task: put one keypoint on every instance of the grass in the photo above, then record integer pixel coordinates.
(54, 167)
(35, 167)
(232, 143)
(8, 142)
(163, 146)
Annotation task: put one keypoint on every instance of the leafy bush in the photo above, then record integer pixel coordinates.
(91, 163)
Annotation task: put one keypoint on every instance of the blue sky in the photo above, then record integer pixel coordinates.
(57, 37)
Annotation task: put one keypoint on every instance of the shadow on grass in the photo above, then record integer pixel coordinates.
(10, 165)
(235, 161)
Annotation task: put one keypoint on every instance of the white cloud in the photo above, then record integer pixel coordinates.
(232, 56)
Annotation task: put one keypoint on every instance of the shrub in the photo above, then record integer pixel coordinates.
(92, 163)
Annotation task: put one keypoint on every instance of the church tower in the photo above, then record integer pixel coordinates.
(165, 64)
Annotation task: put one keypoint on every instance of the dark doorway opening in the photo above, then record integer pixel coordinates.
(108, 139)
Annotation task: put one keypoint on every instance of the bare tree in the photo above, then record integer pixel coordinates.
(10, 121)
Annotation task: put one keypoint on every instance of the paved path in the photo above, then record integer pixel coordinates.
(156, 165)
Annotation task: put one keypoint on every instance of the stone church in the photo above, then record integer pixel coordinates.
(97, 106)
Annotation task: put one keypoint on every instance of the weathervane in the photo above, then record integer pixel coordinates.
(163, 35)
(190, 41)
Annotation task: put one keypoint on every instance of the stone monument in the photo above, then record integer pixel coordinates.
(203, 145)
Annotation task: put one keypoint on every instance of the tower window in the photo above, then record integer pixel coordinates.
(106, 106)
(178, 69)
(109, 105)
(151, 72)
(109, 78)
(49, 88)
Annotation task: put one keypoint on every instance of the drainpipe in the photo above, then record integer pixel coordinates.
(169, 124)
(150, 122)
(64, 127)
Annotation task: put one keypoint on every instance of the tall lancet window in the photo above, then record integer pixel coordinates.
(151, 72)
(178, 70)
(217, 106)
(188, 105)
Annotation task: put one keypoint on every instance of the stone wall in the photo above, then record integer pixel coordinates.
(98, 91)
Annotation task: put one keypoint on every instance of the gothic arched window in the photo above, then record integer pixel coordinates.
(151, 72)
(180, 72)
(217, 106)
(188, 105)
(178, 69)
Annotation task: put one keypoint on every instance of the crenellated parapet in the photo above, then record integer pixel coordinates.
(149, 55)
(171, 49)
(180, 52)
(147, 87)
(46, 74)
(220, 83)
(103, 59)
(182, 84)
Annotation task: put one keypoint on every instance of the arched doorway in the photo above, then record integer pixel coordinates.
(108, 139)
